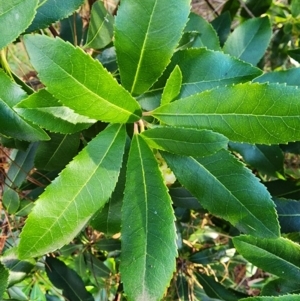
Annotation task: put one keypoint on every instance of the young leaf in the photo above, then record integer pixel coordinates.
(70, 200)
(188, 142)
(58, 152)
(43, 109)
(15, 17)
(78, 85)
(250, 40)
(14, 126)
(51, 11)
(279, 256)
(204, 69)
(147, 222)
(216, 182)
(67, 280)
(3, 279)
(252, 113)
(172, 87)
(100, 30)
(207, 37)
(145, 44)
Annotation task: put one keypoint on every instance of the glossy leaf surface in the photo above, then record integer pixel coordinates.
(86, 87)
(253, 113)
(216, 182)
(81, 189)
(12, 125)
(147, 222)
(289, 77)
(15, 15)
(250, 40)
(51, 11)
(67, 280)
(280, 256)
(46, 111)
(145, 44)
(204, 69)
(100, 30)
(181, 141)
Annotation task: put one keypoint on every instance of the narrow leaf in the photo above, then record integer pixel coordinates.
(147, 222)
(78, 85)
(145, 50)
(181, 141)
(290, 77)
(280, 256)
(173, 86)
(15, 17)
(11, 124)
(43, 109)
(3, 279)
(250, 40)
(253, 113)
(81, 189)
(100, 30)
(204, 69)
(67, 280)
(216, 182)
(50, 11)
(56, 153)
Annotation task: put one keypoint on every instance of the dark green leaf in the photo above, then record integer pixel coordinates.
(15, 17)
(51, 11)
(250, 40)
(295, 7)
(279, 256)
(184, 199)
(145, 44)
(252, 113)
(285, 189)
(292, 147)
(209, 255)
(71, 29)
(77, 85)
(279, 287)
(96, 266)
(204, 69)
(232, 6)
(11, 124)
(43, 109)
(207, 36)
(100, 30)
(56, 153)
(289, 77)
(288, 214)
(279, 298)
(216, 182)
(295, 54)
(108, 244)
(67, 280)
(188, 142)
(267, 159)
(81, 189)
(108, 59)
(257, 8)
(147, 222)
(3, 279)
(11, 200)
(222, 25)
(182, 288)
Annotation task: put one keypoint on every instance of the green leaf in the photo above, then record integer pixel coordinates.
(58, 152)
(216, 182)
(51, 11)
(15, 17)
(100, 30)
(294, 54)
(146, 44)
(288, 215)
(181, 141)
(279, 287)
(77, 85)
(37, 293)
(207, 35)
(11, 200)
(250, 40)
(290, 77)
(147, 222)
(216, 290)
(295, 8)
(278, 256)
(172, 87)
(279, 298)
(14, 126)
(232, 6)
(184, 199)
(43, 109)
(252, 113)
(267, 159)
(257, 8)
(71, 29)
(222, 25)
(67, 280)
(195, 63)
(208, 255)
(3, 279)
(96, 266)
(182, 291)
(81, 189)
(284, 188)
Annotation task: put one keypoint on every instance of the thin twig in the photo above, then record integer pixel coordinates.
(211, 7)
(249, 12)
